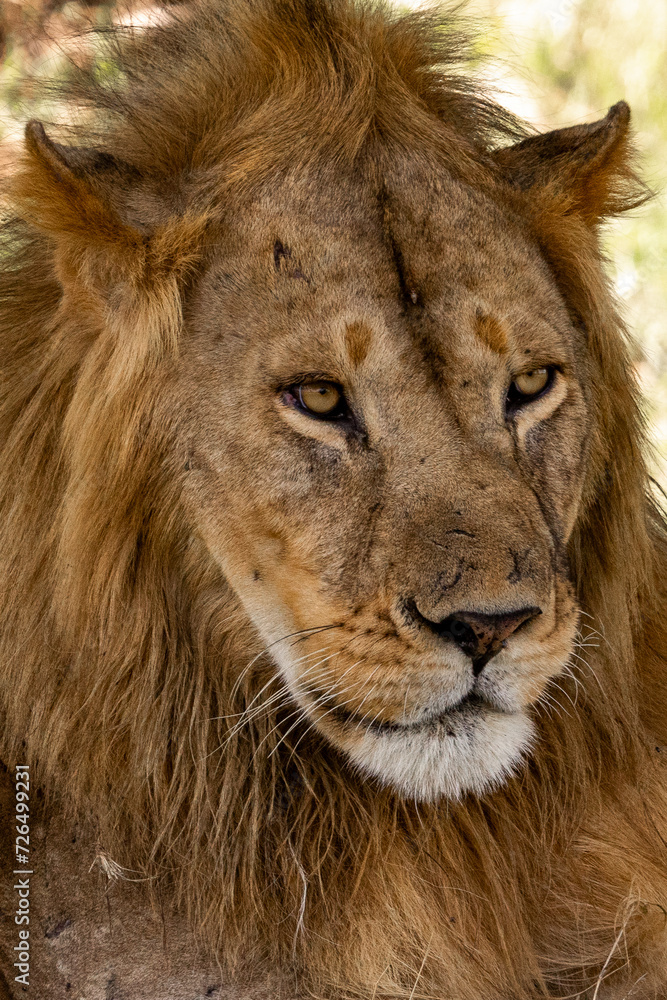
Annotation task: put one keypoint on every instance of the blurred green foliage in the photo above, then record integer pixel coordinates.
(35, 39)
(559, 62)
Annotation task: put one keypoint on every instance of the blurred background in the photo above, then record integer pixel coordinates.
(554, 62)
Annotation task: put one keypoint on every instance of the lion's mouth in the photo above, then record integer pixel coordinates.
(441, 723)
(470, 746)
(469, 705)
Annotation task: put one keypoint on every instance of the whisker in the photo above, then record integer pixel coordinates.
(275, 676)
(320, 701)
(299, 710)
(312, 725)
(305, 633)
(377, 714)
(248, 716)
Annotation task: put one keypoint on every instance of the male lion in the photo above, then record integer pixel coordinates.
(319, 436)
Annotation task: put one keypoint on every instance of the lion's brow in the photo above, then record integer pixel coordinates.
(358, 338)
(491, 332)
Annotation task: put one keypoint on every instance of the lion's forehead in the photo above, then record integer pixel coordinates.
(446, 233)
(432, 265)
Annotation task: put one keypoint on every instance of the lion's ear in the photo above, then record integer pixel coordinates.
(99, 209)
(79, 193)
(587, 167)
(124, 238)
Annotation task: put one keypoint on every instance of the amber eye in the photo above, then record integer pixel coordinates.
(529, 386)
(322, 399)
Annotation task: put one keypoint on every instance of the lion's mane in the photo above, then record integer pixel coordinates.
(127, 662)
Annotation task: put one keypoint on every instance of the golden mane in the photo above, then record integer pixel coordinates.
(127, 662)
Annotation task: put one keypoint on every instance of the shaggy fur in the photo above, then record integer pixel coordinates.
(136, 678)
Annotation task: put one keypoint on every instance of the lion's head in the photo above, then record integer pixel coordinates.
(319, 432)
(392, 430)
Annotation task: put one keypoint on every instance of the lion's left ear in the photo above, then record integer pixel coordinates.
(587, 167)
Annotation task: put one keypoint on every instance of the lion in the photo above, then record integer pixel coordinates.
(333, 585)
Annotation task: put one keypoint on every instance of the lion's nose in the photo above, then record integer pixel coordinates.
(480, 636)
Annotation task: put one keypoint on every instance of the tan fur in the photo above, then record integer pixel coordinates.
(358, 340)
(491, 333)
(280, 189)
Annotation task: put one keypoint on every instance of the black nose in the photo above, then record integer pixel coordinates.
(481, 636)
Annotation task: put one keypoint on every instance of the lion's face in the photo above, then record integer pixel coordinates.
(385, 445)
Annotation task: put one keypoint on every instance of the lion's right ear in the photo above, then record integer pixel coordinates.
(101, 211)
(586, 168)
(76, 194)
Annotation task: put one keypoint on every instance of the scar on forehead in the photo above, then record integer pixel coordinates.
(282, 261)
(280, 253)
(492, 332)
(357, 341)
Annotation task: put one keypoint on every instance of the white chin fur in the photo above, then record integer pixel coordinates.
(467, 751)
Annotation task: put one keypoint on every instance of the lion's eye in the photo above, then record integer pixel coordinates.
(529, 386)
(321, 399)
